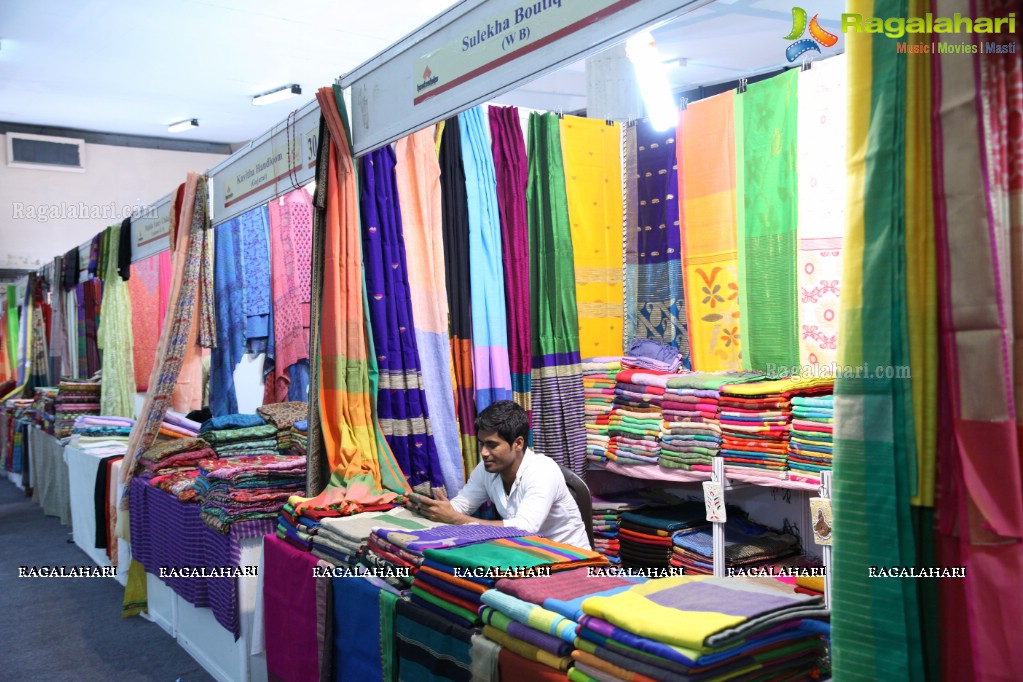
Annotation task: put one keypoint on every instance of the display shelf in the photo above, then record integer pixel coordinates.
(654, 472)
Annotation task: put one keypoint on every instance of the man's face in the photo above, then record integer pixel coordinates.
(497, 453)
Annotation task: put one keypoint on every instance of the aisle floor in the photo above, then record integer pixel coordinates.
(58, 629)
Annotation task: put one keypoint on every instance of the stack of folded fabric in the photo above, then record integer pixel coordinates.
(284, 416)
(19, 416)
(647, 354)
(537, 618)
(599, 391)
(702, 628)
(607, 517)
(447, 597)
(75, 398)
(44, 408)
(635, 423)
(245, 488)
(436, 588)
(341, 540)
(811, 440)
(240, 435)
(691, 431)
(300, 438)
(173, 465)
(756, 420)
(176, 425)
(296, 530)
(102, 435)
(645, 534)
(747, 544)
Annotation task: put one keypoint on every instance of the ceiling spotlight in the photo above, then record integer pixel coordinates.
(182, 126)
(277, 95)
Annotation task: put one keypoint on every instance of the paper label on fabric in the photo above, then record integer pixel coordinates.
(521, 28)
(714, 500)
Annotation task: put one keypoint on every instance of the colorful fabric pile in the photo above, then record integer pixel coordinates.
(74, 399)
(701, 628)
(607, 518)
(299, 439)
(296, 530)
(173, 465)
(810, 444)
(240, 435)
(342, 540)
(431, 647)
(284, 416)
(648, 354)
(18, 413)
(246, 488)
(747, 544)
(44, 408)
(102, 436)
(598, 398)
(691, 431)
(756, 421)
(645, 535)
(175, 425)
(634, 425)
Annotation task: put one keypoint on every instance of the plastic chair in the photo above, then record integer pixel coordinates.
(581, 493)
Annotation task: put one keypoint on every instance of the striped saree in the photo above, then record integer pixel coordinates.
(706, 168)
(875, 623)
(592, 151)
(402, 410)
(492, 376)
(512, 171)
(767, 221)
(559, 429)
(115, 338)
(978, 201)
(362, 465)
(418, 178)
(655, 303)
(455, 221)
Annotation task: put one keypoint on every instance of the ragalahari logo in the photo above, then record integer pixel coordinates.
(818, 36)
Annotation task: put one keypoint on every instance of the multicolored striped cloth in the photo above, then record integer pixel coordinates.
(506, 553)
(402, 410)
(559, 429)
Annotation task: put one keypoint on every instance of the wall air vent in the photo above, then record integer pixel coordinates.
(43, 152)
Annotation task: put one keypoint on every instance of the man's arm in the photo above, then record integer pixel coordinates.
(442, 511)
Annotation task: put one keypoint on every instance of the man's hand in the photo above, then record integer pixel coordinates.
(439, 510)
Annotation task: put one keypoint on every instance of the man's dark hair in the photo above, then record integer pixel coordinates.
(505, 417)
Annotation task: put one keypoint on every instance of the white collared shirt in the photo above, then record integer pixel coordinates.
(539, 501)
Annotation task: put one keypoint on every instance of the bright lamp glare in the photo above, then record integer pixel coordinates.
(652, 76)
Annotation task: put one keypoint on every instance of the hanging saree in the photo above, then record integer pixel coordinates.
(144, 292)
(511, 169)
(821, 209)
(189, 218)
(71, 320)
(455, 221)
(978, 209)
(13, 325)
(706, 169)
(57, 334)
(291, 230)
(363, 468)
(768, 220)
(402, 410)
(256, 281)
(592, 151)
(491, 373)
(318, 470)
(875, 623)
(188, 389)
(418, 179)
(115, 338)
(656, 305)
(559, 429)
(229, 288)
(92, 291)
(38, 372)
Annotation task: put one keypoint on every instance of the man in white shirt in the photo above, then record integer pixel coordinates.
(528, 490)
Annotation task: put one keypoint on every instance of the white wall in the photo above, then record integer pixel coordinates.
(124, 176)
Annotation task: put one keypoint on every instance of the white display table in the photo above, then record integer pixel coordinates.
(82, 468)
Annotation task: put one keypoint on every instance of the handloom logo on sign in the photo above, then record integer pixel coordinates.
(818, 36)
(428, 80)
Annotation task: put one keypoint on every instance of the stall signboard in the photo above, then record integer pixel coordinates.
(150, 233)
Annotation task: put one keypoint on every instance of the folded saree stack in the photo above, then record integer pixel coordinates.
(607, 517)
(284, 416)
(175, 425)
(747, 544)
(101, 436)
(342, 540)
(173, 465)
(810, 444)
(44, 406)
(647, 354)
(634, 425)
(598, 399)
(645, 534)
(75, 398)
(232, 489)
(240, 435)
(701, 628)
(299, 439)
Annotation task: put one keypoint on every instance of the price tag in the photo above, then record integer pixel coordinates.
(714, 500)
(820, 512)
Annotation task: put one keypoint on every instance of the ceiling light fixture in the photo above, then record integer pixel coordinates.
(182, 126)
(652, 75)
(277, 95)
